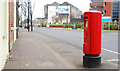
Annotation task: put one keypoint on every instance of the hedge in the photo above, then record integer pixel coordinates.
(112, 26)
(63, 25)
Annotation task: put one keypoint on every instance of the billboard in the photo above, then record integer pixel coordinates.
(63, 9)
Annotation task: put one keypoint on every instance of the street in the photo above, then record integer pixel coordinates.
(75, 38)
(60, 34)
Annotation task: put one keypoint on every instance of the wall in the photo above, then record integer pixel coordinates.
(15, 28)
(64, 17)
(75, 13)
(108, 9)
(51, 14)
(11, 24)
(7, 23)
(3, 33)
(42, 21)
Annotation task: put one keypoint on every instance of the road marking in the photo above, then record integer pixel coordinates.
(110, 51)
(113, 60)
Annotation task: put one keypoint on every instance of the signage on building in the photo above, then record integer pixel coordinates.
(63, 10)
(106, 19)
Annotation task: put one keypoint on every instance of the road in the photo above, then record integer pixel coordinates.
(75, 38)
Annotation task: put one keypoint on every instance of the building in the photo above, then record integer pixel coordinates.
(105, 6)
(61, 13)
(41, 20)
(115, 11)
(7, 29)
(119, 12)
(108, 8)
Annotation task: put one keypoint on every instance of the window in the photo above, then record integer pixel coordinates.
(104, 12)
(105, 4)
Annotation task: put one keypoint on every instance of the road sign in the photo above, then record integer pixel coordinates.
(106, 19)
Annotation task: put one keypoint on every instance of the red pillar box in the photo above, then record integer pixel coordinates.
(92, 39)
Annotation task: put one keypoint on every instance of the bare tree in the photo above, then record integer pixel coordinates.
(23, 4)
(31, 13)
(27, 9)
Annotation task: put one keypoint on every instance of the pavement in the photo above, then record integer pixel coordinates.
(34, 50)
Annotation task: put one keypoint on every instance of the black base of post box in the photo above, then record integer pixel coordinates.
(91, 61)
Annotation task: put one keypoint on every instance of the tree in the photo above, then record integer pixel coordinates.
(27, 8)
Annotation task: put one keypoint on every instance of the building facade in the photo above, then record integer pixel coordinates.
(119, 12)
(40, 20)
(7, 29)
(115, 11)
(107, 7)
(61, 13)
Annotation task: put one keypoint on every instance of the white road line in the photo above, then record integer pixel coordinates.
(113, 60)
(110, 51)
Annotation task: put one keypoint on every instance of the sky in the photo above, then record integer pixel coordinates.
(83, 5)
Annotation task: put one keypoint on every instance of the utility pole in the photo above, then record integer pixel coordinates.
(17, 18)
(31, 23)
(28, 16)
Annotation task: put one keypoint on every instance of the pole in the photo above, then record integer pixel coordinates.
(17, 19)
(28, 16)
(31, 23)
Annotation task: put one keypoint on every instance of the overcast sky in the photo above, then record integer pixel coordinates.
(83, 5)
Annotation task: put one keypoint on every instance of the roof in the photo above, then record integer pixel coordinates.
(63, 4)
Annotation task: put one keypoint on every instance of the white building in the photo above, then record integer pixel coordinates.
(58, 14)
(61, 13)
(4, 30)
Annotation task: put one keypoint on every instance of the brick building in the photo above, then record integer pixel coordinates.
(105, 6)
(11, 24)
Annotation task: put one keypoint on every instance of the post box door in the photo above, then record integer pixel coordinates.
(86, 45)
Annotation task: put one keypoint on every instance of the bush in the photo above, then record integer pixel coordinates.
(81, 24)
(113, 26)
